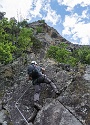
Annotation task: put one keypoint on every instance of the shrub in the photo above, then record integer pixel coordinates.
(39, 29)
(36, 44)
(41, 21)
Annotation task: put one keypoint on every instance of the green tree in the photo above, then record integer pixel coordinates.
(88, 59)
(72, 61)
(82, 54)
(6, 47)
(51, 52)
(2, 15)
(23, 23)
(6, 53)
(39, 29)
(24, 39)
(61, 54)
(36, 45)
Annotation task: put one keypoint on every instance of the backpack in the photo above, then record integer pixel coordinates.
(33, 72)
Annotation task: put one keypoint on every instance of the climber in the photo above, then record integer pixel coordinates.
(36, 74)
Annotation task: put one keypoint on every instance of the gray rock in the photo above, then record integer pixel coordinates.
(87, 73)
(2, 117)
(55, 114)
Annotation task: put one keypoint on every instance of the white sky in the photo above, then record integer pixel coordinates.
(74, 25)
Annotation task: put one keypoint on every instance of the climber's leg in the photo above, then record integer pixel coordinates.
(37, 96)
(48, 81)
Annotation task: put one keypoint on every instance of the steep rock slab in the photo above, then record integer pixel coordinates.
(55, 114)
(77, 99)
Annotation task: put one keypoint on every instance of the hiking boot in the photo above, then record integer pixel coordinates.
(57, 93)
(37, 106)
(32, 118)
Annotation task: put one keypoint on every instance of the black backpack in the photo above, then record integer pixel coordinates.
(33, 72)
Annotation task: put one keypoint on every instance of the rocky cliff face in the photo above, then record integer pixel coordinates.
(49, 36)
(72, 107)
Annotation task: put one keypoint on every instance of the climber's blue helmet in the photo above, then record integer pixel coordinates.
(34, 62)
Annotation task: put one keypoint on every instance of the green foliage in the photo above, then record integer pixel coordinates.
(88, 59)
(2, 15)
(14, 39)
(61, 54)
(23, 23)
(6, 47)
(83, 54)
(5, 53)
(51, 53)
(39, 29)
(36, 44)
(41, 21)
(63, 45)
(72, 61)
(24, 40)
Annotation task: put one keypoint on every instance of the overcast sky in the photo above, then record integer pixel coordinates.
(71, 18)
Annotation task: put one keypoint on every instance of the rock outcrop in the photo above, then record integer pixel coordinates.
(55, 113)
(72, 107)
